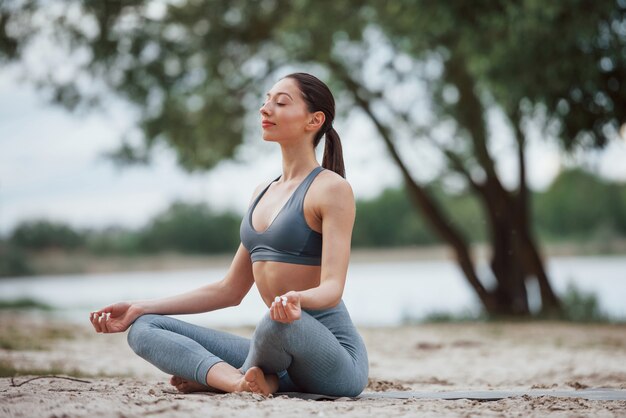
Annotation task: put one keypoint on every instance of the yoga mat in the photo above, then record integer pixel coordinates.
(599, 394)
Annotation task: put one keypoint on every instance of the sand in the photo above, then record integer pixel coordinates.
(114, 382)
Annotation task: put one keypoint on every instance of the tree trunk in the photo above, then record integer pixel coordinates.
(513, 256)
(550, 304)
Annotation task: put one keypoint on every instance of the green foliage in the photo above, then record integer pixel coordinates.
(192, 71)
(440, 317)
(390, 220)
(13, 261)
(32, 338)
(579, 205)
(566, 58)
(183, 227)
(192, 228)
(8, 369)
(579, 306)
(43, 235)
(196, 69)
(24, 303)
(114, 240)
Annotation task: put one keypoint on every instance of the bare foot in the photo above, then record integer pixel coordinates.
(187, 386)
(258, 382)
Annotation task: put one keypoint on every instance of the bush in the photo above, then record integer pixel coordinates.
(582, 206)
(114, 241)
(192, 228)
(579, 306)
(43, 235)
(13, 262)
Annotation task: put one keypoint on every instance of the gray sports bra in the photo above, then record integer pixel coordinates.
(288, 239)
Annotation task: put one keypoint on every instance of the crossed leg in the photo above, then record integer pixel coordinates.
(199, 359)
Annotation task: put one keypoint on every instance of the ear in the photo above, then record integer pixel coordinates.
(316, 121)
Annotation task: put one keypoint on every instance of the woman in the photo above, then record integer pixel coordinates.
(306, 342)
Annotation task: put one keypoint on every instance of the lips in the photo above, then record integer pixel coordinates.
(267, 124)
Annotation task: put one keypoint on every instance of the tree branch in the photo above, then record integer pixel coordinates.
(418, 194)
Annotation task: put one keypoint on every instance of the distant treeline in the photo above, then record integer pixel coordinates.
(577, 207)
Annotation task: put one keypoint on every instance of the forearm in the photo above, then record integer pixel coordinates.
(204, 299)
(326, 295)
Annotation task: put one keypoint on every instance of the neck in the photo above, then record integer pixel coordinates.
(298, 160)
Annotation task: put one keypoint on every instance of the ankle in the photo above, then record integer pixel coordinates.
(226, 378)
(272, 381)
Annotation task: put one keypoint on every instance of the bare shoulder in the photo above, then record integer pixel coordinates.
(258, 189)
(331, 188)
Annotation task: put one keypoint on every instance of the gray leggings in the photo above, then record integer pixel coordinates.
(320, 353)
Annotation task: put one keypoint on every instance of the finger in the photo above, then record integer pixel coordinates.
(276, 312)
(272, 312)
(95, 320)
(280, 309)
(101, 322)
(91, 314)
(107, 322)
(290, 315)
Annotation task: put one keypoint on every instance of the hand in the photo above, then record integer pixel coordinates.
(289, 311)
(114, 318)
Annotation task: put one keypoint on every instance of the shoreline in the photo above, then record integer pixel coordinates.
(56, 263)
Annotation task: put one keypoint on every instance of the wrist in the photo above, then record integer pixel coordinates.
(303, 298)
(138, 308)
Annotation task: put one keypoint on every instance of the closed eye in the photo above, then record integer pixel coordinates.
(277, 104)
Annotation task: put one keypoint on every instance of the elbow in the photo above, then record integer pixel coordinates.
(332, 300)
(235, 298)
(229, 296)
(335, 301)
(236, 301)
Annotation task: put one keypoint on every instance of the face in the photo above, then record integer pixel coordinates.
(284, 115)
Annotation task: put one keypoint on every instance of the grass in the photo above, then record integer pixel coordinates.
(577, 306)
(9, 370)
(15, 338)
(24, 303)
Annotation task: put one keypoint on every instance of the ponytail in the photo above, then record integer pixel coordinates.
(333, 154)
(318, 97)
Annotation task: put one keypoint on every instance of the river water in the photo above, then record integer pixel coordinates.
(376, 294)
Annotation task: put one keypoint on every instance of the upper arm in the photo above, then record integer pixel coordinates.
(240, 278)
(337, 210)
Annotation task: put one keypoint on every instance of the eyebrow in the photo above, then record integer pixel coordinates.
(279, 93)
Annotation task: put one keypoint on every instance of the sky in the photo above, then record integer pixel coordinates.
(51, 166)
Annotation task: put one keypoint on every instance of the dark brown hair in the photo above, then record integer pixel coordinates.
(318, 98)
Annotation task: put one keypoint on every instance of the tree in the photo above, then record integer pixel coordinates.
(38, 235)
(194, 69)
(192, 228)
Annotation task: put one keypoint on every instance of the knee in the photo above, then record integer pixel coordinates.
(270, 330)
(138, 334)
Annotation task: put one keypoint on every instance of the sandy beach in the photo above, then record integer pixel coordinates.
(111, 381)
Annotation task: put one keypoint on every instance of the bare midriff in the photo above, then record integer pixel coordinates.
(275, 278)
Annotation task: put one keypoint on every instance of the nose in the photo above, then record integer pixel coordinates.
(264, 110)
